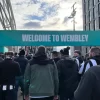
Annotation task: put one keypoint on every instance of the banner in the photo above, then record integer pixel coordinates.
(49, 38)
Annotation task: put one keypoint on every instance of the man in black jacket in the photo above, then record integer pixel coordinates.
(68, 75)
(22, 60)
(8, 72)
(89, 87)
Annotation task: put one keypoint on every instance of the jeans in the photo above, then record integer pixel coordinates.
(65, 97)
(19, 83)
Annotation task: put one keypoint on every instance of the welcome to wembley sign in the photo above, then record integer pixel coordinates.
(49, 38)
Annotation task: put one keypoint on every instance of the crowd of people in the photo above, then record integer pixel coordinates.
(59, 77)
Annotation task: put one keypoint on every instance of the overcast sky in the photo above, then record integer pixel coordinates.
(46, 14)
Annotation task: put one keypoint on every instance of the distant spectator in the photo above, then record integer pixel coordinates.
(55, 56)
(78, 57)
(29, 56)
(22, 60)
(16, 54)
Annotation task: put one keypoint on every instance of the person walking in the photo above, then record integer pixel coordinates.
(22, 60)
(94, 59)
(68, 75)
(78, 57)
(9, 70)
(89, 87)
(41, 77)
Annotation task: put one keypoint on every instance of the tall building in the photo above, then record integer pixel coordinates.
(91, 17)
(91, 14)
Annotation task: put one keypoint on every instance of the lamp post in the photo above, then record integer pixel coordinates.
(73, 14)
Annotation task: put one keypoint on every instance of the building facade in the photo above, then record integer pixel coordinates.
(91, 14)
(91, 17)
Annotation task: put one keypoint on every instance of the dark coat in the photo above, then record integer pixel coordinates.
(22, 62)
(9, 69)
(68, 76)
(89, 87)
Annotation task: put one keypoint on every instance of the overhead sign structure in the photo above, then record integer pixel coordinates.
(50, 38)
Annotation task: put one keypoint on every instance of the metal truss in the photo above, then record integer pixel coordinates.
(6, 15)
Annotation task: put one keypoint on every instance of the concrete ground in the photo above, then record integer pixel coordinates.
(19, 95)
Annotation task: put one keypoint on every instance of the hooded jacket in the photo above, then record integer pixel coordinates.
(41, 77)
(68, 76)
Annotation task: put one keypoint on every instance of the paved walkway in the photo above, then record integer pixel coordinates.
(20, 96)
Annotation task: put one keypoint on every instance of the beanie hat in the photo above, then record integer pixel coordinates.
(65, 51)
(22, 53)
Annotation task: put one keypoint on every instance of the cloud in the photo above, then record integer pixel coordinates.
(32, 25)
(35, 17)
(46, 14)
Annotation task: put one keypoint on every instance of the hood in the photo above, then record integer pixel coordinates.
(97, 58)
(41, 59)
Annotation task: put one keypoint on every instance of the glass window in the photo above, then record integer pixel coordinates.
(99, 22)
(99, 9)
(86, 50)
(89, 4)
(93, 2)
(85, 8)
(94, 24)
(85, 27)
(93, 13)
(89, 26)
(89, 16)
(85, 19)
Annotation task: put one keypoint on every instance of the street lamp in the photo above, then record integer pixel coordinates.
(73, 14)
